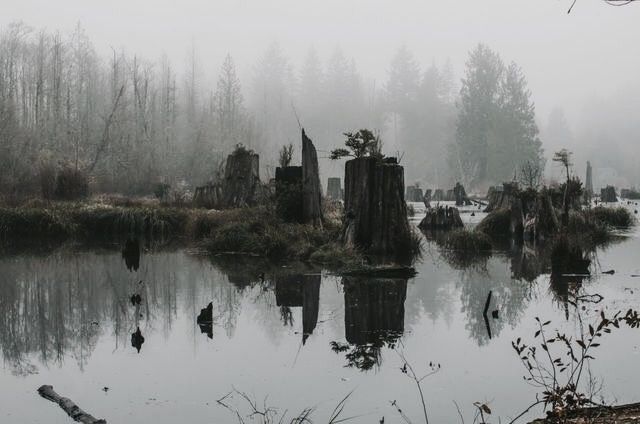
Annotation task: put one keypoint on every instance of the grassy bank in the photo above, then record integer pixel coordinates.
(250, 231)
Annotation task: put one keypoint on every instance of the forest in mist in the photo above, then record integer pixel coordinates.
(132, 122)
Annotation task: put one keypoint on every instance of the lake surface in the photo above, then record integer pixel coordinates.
(301, 336)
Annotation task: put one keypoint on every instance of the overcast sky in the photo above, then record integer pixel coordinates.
(567, 58)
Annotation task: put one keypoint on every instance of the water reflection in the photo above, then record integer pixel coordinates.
(373, 319)
(299, 290)
(131, 254)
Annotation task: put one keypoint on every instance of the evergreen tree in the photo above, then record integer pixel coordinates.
(228, 109)
(496, 130)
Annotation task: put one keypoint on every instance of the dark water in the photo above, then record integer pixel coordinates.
(301, 336)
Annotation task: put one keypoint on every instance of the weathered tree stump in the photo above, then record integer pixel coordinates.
(414, 194)
(588, 187)
(334, 188)
(311, 189)
(460, 195)
(68, 406)
(426, 199)
(208, 196)
(608, 194)
(438, 195)
(441, 218)
(241, 184)
(375, 210)
(501, 197)
(289, 193)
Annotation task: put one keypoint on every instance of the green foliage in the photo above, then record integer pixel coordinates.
(496, 126)
(558, 366)
(496, 223)
(619, 217)
(360, 144)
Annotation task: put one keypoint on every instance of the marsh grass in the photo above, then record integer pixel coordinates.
(251, 231)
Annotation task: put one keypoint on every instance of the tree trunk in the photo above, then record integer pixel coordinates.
(289, 193)
(311, 189)
(241, 184)
(376, 213)
(68, 406)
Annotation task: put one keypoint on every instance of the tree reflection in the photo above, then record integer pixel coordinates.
(374, 318)
(299, 290)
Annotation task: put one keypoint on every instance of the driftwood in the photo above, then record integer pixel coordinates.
(68, 406)
(622, 414)
(311, 190)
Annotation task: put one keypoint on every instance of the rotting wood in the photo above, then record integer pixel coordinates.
(68, 406)
(311, 189)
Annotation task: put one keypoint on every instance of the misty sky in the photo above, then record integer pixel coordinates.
(567, 58)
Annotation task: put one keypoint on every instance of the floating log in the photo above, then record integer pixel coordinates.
(311, 189)
(68, 406)
(375, 210)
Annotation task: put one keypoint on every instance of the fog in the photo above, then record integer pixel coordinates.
(582, 65)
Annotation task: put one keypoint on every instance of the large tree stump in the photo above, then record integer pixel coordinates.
(208, 196)
(241, 184)
(376, 213)
(289, 199)
(311, 189)
(68, 406)
(460, 195)
(608, 194)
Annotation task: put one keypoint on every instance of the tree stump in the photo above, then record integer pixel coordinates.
(460, 195)
(588, 188)
(608, 194)
(311, 189)
(426, 199)
(241, 184)
(334, 188)
(208, 196)
(375, 210)
(289, 193)
(438, 195)
(441, 218)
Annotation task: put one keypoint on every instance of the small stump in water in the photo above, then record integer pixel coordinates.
(441, 218)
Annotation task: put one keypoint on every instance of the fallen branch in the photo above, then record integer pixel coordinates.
(68, 406)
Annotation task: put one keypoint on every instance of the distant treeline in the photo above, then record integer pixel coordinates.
(130, 123)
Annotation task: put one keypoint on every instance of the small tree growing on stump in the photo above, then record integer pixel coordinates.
(375, 209)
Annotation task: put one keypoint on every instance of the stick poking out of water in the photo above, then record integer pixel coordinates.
(68, 406)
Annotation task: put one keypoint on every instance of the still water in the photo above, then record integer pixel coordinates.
(298, 336)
